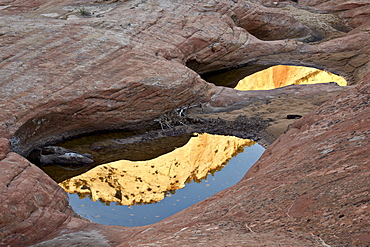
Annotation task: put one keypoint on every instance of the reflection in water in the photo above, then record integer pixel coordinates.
(113, 146)
(144, 214)
(131, 182)
(282, 75)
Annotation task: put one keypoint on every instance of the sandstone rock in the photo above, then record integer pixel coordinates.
(271, 105)
(31, 199)
(65, 77)
(73, 109)
(4, 148)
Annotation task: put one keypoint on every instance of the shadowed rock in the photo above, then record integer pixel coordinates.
(59, 156)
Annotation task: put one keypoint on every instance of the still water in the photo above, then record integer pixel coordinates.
(174, 201)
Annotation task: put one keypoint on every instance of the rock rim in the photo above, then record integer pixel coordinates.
(63, 74)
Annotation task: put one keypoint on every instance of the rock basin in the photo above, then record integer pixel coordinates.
(131, 182)
(164, 185)
(62, 77)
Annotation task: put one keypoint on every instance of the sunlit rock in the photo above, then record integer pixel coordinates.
(130, 182)
(283, 75)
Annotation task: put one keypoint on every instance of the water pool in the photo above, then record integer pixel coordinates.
(193, 192)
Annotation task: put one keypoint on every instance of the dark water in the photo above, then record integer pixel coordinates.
(192, 193)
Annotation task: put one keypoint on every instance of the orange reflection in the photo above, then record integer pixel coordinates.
(131, 182)
(283, 75)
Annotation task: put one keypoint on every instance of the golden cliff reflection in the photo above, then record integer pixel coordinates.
(130, 182)
(283, 75)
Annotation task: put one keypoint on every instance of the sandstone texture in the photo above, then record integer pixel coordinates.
(74, 67)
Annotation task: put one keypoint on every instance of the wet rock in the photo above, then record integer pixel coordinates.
(59, 156)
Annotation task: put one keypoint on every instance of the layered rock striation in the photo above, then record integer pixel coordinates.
(64, 72)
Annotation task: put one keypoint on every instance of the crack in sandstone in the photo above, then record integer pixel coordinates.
(15, 177)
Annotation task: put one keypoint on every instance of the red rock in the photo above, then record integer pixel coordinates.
(60, 78)
(4, 148)
(31, 200)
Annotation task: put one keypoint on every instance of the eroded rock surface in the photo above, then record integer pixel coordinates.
(63, 74)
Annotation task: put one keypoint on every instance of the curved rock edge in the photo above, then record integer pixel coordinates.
(297, 218)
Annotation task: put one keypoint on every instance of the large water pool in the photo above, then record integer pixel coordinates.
(194, 191)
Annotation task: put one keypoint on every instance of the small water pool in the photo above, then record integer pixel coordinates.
(174, 201)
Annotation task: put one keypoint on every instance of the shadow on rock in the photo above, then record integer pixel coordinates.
(59, 156)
